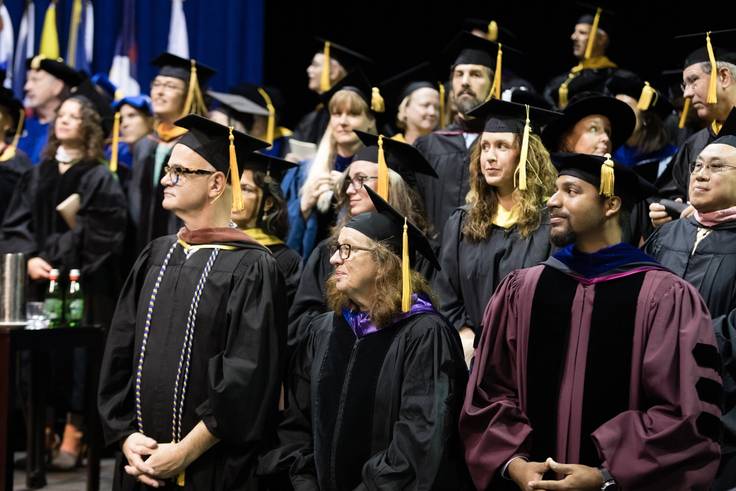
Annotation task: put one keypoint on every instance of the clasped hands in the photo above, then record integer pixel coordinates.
(151, 462)
(530, 476)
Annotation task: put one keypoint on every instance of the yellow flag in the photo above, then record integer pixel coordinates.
(49, 35)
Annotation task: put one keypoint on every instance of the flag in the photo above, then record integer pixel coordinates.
(81, 36)
(123, 70)
(49, 35)
(6, 45)
(24, 49)
(178, 36)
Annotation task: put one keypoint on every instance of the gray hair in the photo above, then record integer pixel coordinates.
(705, 66)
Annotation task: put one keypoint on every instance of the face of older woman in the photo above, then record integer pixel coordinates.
(355, 275)
(360, 174)
(591, 135)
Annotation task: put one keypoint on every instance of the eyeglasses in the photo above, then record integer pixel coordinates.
(170, 86)
(714, 168)
(345, 250)
(358, 181)
(176, 171)
(690, 82)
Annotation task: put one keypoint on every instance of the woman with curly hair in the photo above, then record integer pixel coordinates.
(373, 394)
(504, 225)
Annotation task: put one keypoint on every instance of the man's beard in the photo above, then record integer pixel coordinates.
(561, 239)
(465, 105)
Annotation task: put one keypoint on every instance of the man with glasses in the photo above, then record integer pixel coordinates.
(174, 93)
(190, 379)
(702, 250)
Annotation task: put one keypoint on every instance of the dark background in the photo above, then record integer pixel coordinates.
(399, 34)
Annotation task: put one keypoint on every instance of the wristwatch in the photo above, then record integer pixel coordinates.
(609, 483)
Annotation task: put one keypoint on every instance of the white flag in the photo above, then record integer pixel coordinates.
(178, 36)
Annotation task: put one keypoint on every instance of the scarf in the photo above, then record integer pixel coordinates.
(713, 218)
(360, 322)
(603, 261)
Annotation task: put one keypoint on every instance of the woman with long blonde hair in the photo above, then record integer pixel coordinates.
(504, 225)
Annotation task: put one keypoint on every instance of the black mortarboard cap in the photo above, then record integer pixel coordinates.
(171, 65)
(395, 89)
(237, 104)
(627, 184)
(605, 17)
(271, 166)
(253, 93)
(620, 115)
(13, 105)
(57, 68)
(523, 95)
(402, 158)
(494, 31)
(509, 117)
(649, 98)
(101, 103)
(357, 82)
(347, 57)
(723, 43)
(467, 49)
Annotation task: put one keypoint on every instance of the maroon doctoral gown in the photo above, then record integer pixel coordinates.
(617, 371)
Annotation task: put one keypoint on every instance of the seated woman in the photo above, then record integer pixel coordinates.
(310, 189)
(375, 390)
(263, 216)
(403, 162)
(416, 102)
(505, 225)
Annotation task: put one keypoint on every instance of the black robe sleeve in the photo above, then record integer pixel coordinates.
(309, 300)
(433, 386)
(447, 281)
(17, 234)
(244, 380)
(290, 265)
(115, 395)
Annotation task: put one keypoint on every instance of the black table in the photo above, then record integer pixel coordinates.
(39, 343)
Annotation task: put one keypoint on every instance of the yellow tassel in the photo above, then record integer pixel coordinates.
(593, 32)
(406, 286)
(382, 184)
(716, 127)
(443, 116)
(180, 481)
(524, 151)
(235, 176)
(685, 110)
(608, 180)
(377, 104)
(646, 97)
(194, 103)
(496, 87)
(324, 81)
(18, 129)
(713, 82)
(562, 95)
(271, 115)
(114, 144)
(492, 31)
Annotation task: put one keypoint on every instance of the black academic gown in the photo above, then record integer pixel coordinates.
(675, 180)
(236, 358)
(471, 271)
(34, 227)
(290, 265)
(711, 268)
(10, 172)
(449, 156)
(312, 126)
(377, 412)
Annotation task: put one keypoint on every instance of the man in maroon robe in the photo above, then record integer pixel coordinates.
(597, 369)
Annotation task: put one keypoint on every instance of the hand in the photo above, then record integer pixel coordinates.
(687, 211)
(467, 337)
(575, 477)
(168, 460)
(658, 214)
(311, 194)
(523, 472)
(135, 447)
(38, 269)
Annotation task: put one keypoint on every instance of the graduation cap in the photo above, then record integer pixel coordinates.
(610, 178)
(237, 106)
(269, 98)
(402, 158)
(273, 167)
(195, 75)
(388, 226)
(620, 115)
(491, 28)
(17, 115)
(594, 16)
(648, 98)
(712, 47)
(100, 103)
(510, 117)
(57, 68)
(357, 82)
(523, 95)
(397, 88)
(103, 82)
(224, 148)
(139, 102)
(349, 59)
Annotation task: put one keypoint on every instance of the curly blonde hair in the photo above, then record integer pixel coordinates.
(483, 202)
(386, 303)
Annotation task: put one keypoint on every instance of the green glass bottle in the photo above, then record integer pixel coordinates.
(74, 300)
(53, 304)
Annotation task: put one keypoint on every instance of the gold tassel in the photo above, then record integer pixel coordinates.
(114, 144)
(405, 271)
(524, 151)
(18, 129)
(496, 87)
(271, 115)
(443, 116)
(492, 31)
(645, 99)
(180, 480)
(607, 178)
(562, 95)
(593, 32)
(377, 104)
(683, 114)
(713, 82)
(382, 171)
(235, 176)
(194, 103)
(324, 81)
